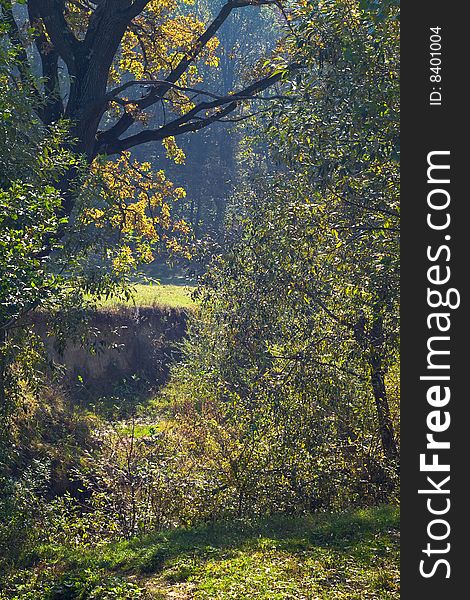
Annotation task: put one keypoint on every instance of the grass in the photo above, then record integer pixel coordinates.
(350, 556)
(166, 295)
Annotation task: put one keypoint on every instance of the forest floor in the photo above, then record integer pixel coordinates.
(346, 556)
(349, 556)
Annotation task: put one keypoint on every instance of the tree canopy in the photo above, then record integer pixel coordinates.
(92, 52)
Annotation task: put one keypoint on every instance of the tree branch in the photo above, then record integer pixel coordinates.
(49, 57)
(159, 91)
(191, 121)
(136, 8)
(111, 95)
(49, 106)
(14, 35)
(64, 41)
(118, 10)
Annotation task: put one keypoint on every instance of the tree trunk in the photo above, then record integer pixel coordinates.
(372, 342)
(4, 407)
(386, 429)
(378, 372)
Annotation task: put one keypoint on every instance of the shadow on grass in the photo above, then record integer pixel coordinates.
(348, 556)
(362, 535)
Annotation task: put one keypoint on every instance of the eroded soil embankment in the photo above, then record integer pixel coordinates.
(121, 344)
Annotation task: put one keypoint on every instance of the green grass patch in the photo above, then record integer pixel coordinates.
(351, 556)
(141, 429)
(168, 295)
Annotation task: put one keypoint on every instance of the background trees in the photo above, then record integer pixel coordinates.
(212, 166)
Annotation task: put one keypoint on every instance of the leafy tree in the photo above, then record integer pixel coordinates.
(92, 53)
(31, 161)
(297, 342)
(348, 145)
(52, 261)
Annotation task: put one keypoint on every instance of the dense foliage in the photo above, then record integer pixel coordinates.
(293, 361)
(284, 399)
(59, 264)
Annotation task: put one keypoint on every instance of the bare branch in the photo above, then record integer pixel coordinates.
(191, 121)
(159, 91)
(64, 41)
(150, 82)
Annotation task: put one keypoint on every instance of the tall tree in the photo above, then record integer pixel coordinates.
(92, 52)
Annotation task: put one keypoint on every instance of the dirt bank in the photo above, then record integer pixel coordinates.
(122, 344)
